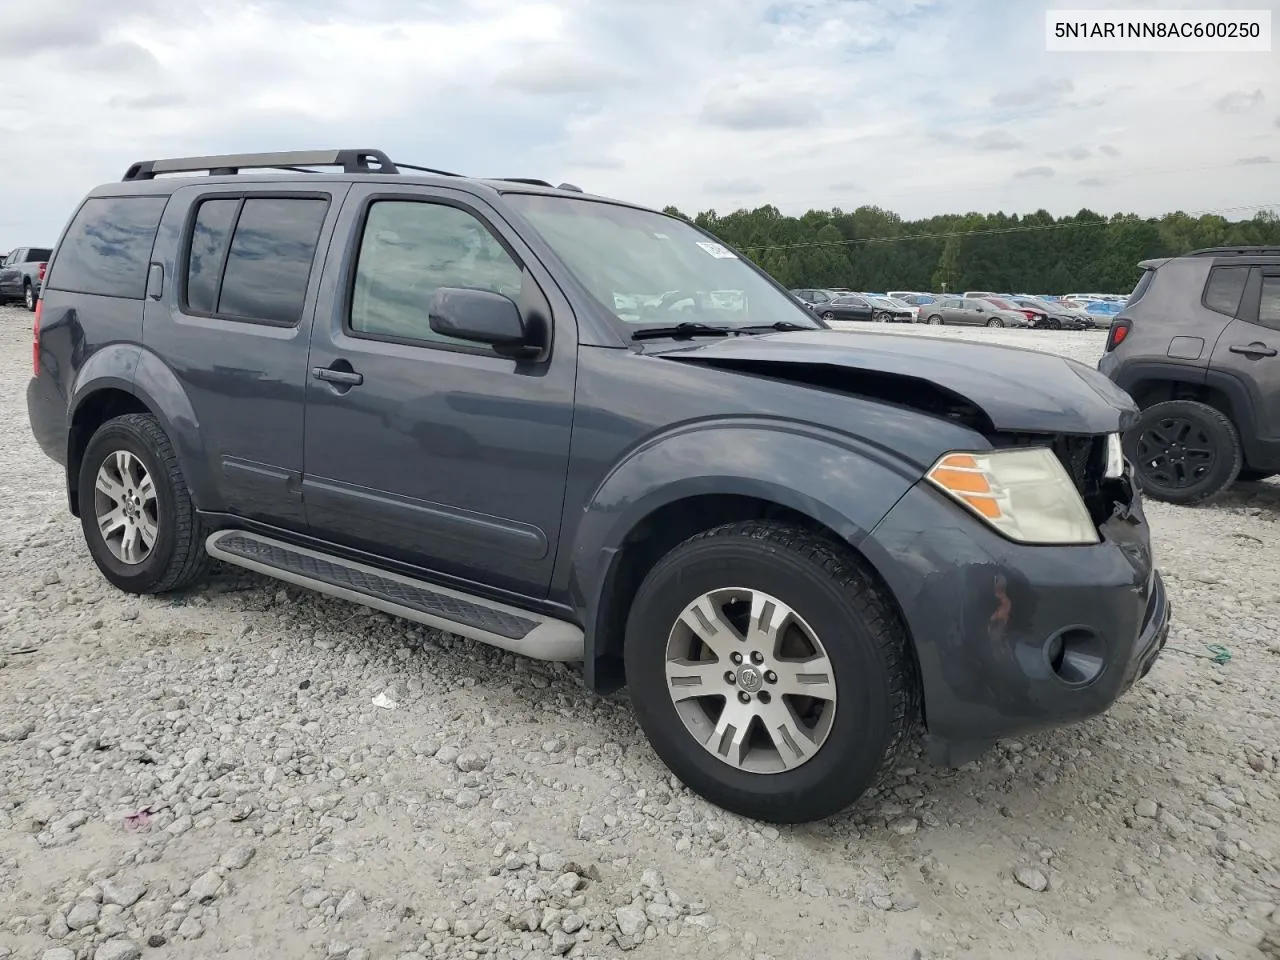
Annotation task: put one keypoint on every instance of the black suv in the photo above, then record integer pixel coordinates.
(1196, 346)
(518, 413)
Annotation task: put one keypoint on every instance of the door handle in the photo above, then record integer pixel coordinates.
(348, 377)
(1254, 350)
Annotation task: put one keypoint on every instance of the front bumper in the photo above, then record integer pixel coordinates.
(984, 613)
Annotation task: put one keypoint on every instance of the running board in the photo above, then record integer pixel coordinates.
(499, 625)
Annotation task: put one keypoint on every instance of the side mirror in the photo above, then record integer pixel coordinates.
(481, 317)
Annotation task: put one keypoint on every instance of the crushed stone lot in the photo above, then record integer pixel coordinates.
(206, 775)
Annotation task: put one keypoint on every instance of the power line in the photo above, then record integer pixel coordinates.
(995, 230)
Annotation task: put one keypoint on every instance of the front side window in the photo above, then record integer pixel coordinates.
(664, 266)
(409, 250)
(1223, 289)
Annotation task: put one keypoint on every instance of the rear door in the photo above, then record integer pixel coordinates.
(429, 450)
(1248, 351)
(230, 303)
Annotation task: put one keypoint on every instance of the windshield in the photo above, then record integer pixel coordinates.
(648, 268)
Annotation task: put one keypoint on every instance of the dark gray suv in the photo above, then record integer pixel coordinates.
(581, 430)
(1197, 346)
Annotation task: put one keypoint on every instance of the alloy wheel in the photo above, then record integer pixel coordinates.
(750, 680)
(126, 507)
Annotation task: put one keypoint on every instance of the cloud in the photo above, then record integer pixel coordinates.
(811, 103)
(558, 73)
(734, 188)
(1238, 101)
(993, 140)
(1249, 161)
(759, 110)
(1043, 90)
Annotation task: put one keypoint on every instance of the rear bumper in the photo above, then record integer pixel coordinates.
(986, 614)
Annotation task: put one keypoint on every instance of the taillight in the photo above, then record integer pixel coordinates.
(1119, 330)
(1030, 314)
(40, 274)
(35, 340)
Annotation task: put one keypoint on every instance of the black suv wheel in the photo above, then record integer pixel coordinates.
(768, 671)
(138, 519)
(1184, 451)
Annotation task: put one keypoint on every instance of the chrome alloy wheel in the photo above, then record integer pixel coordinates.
(750, 680)
(126, 507)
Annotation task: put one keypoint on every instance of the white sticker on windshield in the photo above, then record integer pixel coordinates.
(717, 250)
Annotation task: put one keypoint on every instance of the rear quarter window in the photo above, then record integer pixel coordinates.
(1224, 288)
(107, 247)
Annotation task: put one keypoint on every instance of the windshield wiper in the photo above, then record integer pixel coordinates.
(781, 325)
(689, 328)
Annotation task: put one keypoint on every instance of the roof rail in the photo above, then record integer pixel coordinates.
(1235, 252)
(532, 181)
(351, 161)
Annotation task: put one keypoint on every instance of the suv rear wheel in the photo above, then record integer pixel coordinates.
(768, 671)
(1184, 451)
(138, 519)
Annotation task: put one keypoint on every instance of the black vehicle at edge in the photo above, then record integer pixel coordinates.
(790, 544)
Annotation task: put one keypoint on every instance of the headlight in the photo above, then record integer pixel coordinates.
(1025, 494)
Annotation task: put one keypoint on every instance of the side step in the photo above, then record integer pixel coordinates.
(529, 634)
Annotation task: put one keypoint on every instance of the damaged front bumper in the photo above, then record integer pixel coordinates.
(1012, 638)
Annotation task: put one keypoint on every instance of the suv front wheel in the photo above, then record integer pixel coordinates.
(136, 512)
(1184, 451)
(769, 672)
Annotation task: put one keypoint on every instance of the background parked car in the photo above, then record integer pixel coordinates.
(889, 310)
(849, 307)
(22, 274)
(1056, 316)
(973, 312)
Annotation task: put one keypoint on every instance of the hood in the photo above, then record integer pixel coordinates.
(1019, 390)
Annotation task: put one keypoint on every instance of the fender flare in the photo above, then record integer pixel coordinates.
(844, 484)
(142, 374)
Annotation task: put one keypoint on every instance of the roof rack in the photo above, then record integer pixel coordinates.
(351, 161)
(298, 161)
(1235, 252)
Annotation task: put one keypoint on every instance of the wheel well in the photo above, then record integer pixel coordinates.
(1151, 392)
(657, 535)
(95, 410)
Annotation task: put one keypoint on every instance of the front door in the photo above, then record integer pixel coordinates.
(436, 452)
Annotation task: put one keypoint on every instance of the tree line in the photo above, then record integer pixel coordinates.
(874, 249)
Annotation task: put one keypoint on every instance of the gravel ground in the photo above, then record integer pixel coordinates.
(205, 775)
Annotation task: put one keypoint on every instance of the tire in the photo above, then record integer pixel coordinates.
(995, 322)
(1163, 447)
(874, 687)
(935, 319)
(29, 297)
(176, 558)
(1055, 324)
(828, 316)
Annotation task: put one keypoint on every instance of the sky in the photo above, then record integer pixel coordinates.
(916, 106)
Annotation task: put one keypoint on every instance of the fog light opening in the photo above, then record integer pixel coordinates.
(1076, 655)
